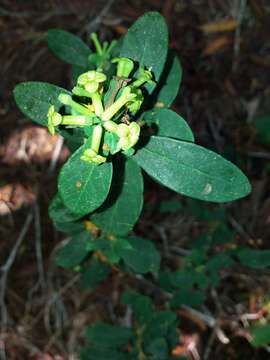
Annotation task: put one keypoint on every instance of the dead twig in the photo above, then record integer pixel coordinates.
(6, 268)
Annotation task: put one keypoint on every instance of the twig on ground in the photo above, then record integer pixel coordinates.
(237, 39)
(6, 267)
(56, 153)
(93, 24)
(41, 283)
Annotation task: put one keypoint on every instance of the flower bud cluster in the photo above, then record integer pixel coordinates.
(101, 111)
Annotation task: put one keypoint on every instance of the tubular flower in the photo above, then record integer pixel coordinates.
(124, 66)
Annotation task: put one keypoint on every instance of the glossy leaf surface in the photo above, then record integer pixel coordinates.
(167, 123)
(192, 170)
(147, 42)
(84, 186)
(143, 258)
(68, 47)
(34, 99)
(123, 206)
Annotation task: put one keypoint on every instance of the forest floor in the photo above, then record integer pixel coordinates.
(226, 72)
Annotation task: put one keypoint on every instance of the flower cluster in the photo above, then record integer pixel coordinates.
(106, 107)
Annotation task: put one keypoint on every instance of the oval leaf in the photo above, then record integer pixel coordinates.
(108, 336)
(170, 81)
(74, 251)
(169, 124)
(126, 193)
(147, 42)
(254, 258)
(95, 272)
(261, 335)
(68, 47)
(192, 170)
(143, 258)
(34, 99)
(58, 212)
(84, 186)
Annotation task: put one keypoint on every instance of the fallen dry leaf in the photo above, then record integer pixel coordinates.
(30, 144)
(13, 197)
(220, 26)
(216, 45)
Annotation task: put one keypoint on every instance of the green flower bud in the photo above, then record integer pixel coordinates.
(135, 105)
(145, 76)
(91, 156)
(66, 99)
(124, 66)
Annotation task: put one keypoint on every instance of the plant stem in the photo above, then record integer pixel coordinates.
(96, 43)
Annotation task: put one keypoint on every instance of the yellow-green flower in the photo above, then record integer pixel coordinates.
(54, 119)
(90, 80)
(128, 134)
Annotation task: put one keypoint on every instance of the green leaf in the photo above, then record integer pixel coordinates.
(169, 124)
(147, 42)
(170, 206)
(108, 336)
(254, 258)
(143, 258)
(262, 125)
(74, 251)
(84, 186)
(68, 47)
(170, 81)
(192, 298)
(71, 228)
(123, 206)
(58, 212)
(192, 170)
(34, 98)
(159, 325)
(97, 353)
(158, 348)
(94, 274)
(114, 249)
(141, 305)
(260, 336)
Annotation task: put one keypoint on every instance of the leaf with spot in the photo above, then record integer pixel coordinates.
(84, 186)
(68, 47)
(34, 98)
(123, 206)
(147, 43)
(167, 123)
(192, 170)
